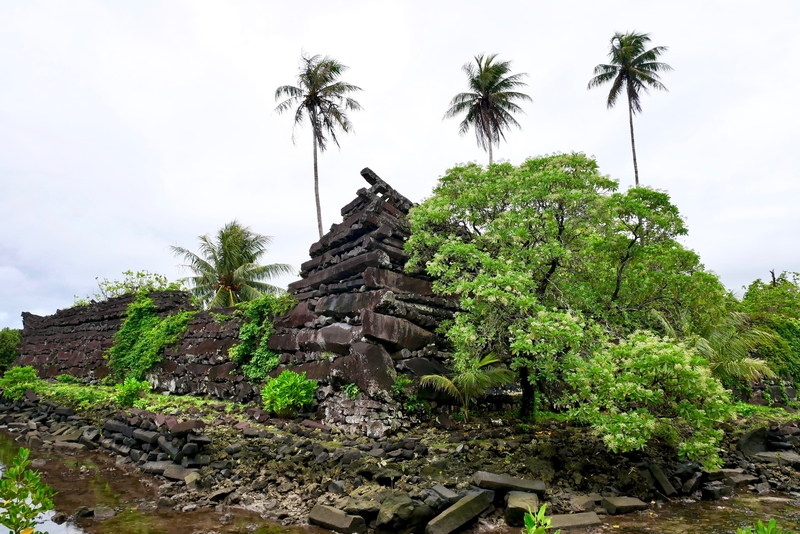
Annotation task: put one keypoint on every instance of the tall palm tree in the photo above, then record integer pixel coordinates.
(632, 68)
(491, 101)
(227, 271)
(322, 98)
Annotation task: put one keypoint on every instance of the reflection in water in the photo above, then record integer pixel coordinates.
(93, 478)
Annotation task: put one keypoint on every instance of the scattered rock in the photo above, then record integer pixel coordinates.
(336, 520)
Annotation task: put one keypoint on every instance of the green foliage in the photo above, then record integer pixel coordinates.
(351, 391)
(781, 296)
(24, 495)
(540, 254)
(537, 523)
(17, 380)
(288, 393)
(782, 351)
(9, 347)
(489, 105)
(143, 337)
(129, 391)
(471, 377)
(401, 385)
(261, 365)
(647, 388)
(761, 528)
(252, 349)
(68, 379)
(82, 396)
(131, 284)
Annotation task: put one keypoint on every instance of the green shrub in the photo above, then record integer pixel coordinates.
(131, 283)
(781, 296)
(17, 380)
(537, 523)
(761, 528)
(288, 393)
(260, 365)
(143, 338)
(649, 388)
(9, 347)
(782, 353)
(67, 379)
(24, 496)
(129, 391)
(351, 391)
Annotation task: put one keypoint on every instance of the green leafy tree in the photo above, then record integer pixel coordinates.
(131, 284)
(24, 496)
(323, 99)
(9, 347)
(472, 376)
(781, 296)
(541, 254)
(227, 271)
(632, 69)
(491, 102)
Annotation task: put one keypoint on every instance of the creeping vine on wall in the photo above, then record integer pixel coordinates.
(143, 337)
(253, 351)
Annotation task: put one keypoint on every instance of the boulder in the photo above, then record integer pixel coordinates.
(780, 458)
(518, 503)
(156, 468)
(622, 505)
(505, 483)
(368, 366)
(400, 514)
(177, 472)
(753, 442)
(336, 520)
(103, 512)
(465, 510)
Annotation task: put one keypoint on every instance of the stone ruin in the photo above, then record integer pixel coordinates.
(360, 319)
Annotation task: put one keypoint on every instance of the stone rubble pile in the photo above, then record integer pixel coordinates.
(360, 319)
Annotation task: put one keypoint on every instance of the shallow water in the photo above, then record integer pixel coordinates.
(94, 478)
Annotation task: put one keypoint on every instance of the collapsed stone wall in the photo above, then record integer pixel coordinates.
(360, 319)
(74, 341)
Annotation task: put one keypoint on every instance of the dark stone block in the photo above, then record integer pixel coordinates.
(395, 332)
(368, 366)
(382, 278)
(344, 304)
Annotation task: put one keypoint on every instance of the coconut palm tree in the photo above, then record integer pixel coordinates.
(322, 98)
(226, 271)
(491, 102)
(633, 68)
(471, 377)
(728, 346)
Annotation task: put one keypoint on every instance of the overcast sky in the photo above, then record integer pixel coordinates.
(127, 127)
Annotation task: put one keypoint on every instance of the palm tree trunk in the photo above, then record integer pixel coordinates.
(316, 188)
(490, 152)
(633, 143)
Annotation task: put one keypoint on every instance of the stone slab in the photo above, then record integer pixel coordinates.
(662, 480)
(519, 503)
(465, 510)
(177, 472)
(336, 520)
(622, 505)
(582, 520)
(397, 333)
(781, 458)
(492, 481)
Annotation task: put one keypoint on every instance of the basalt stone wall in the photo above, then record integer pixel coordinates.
(73, 342)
